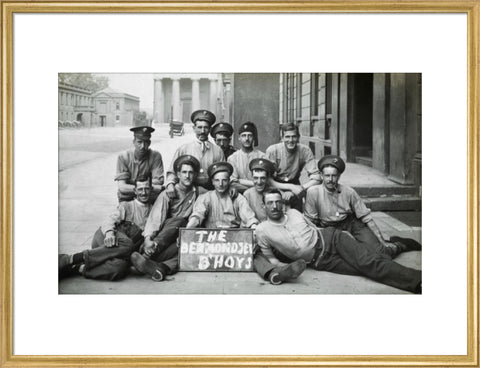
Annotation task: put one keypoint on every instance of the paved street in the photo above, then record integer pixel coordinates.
(87, 194)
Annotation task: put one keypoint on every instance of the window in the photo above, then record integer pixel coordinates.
(118, 106)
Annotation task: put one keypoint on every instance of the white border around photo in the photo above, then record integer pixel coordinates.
(432, 323)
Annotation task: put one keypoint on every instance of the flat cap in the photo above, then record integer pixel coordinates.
(221, 127)
(332, 160)
(248, 126)
(262, 164)
(203, 115)
(142, 132)
(219, 166)
(186, 159)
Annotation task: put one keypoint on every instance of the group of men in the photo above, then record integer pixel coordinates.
(319, 223)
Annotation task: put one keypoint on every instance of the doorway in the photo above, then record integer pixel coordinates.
(362, 114)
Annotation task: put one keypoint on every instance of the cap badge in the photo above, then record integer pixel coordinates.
(260, 162)
(245, 126)
(335, 160)
(144, 130)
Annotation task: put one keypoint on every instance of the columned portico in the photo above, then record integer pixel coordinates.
(177, 95)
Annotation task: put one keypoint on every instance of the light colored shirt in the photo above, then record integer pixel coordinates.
(205, 152)
(295, 238)
(240, 161)
(255, 201)
(214, 211)
(326, 208)
(164, 207)
(289, 166)
(133, 211)
(129, 168)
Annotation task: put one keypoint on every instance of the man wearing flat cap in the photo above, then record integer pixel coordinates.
(203, 150)
(261, 170)
(216, 208)
(337, 205)
(222, 133)
(158, 256)
(139, 161)
(248, 137)
(290, 157)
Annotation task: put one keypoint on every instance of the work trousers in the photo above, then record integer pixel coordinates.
(364, 235)
(167, 249)
(112, 263)
(343, 254)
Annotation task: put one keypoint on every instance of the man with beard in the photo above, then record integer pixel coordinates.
(159, 254)
(290, 157)
(289, 237)
(337, 205)
(204, 151)
(139, 161)
(222, 133)
(216, 208)
(114, 241)
(241, 177)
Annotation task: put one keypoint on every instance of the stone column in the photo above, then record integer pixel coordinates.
(220, 105)
(158, 102)
(176, 99)
(213, 96)
(195, 94)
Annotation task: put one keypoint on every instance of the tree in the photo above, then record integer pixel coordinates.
(88, 81)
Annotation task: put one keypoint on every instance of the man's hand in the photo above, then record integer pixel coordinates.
(297, 190)
(170, 190)
(149, 247)
(110, 239)
(233, 193)
(286, 196)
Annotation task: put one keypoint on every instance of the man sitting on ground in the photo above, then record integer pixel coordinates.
(337, 205)
(114, 241)
(288, 237)
(216, 208)
(159, 254)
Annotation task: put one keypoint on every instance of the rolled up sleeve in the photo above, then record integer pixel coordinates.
(123, 172)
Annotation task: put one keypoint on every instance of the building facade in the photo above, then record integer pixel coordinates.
(75, 104)
(371, 119)
(176, 96)
(115, 108)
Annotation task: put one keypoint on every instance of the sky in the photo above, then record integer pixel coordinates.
(140, 85)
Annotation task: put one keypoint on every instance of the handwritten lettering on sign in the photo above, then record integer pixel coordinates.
(216, 250)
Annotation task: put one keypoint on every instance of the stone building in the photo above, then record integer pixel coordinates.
(366, 118)
(115, 108)
(176, 96)
(75, 104)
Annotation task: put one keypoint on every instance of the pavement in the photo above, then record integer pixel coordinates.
(87, 195)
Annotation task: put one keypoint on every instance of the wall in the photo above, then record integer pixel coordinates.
(256, 99)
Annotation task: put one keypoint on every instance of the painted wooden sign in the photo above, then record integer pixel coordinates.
(214, 250)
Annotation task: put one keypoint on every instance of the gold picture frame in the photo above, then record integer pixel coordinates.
(470, 8)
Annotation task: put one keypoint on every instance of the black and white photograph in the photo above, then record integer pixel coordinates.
(240, 183)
